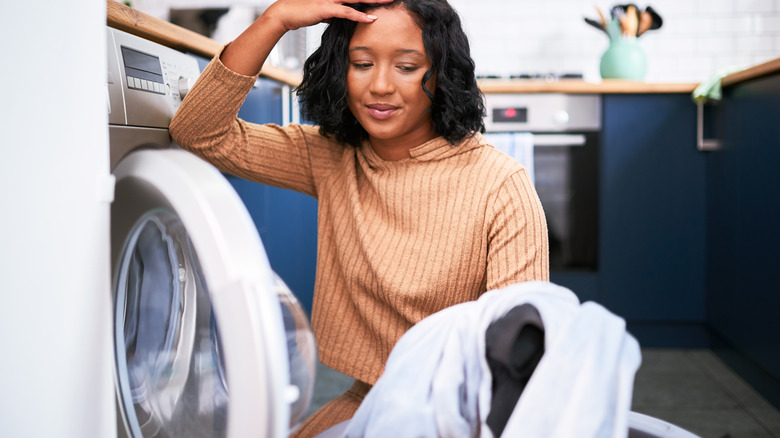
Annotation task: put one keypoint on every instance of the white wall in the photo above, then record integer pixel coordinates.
(698, 37)
(55, 333)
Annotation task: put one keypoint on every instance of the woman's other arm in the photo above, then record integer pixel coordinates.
(518, 248)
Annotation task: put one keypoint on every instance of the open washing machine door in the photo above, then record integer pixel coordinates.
(208, 340)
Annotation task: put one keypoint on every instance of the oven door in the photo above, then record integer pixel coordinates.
(564, 169)
(566, 179)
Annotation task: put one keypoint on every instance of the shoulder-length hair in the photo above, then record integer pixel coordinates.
(457, 108)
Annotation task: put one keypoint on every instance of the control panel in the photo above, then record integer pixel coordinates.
(146, 81)
(542, 112)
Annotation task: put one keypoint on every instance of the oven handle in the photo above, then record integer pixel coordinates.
(559, 140)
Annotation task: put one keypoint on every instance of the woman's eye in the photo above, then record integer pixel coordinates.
(407, 68)
(361, 65)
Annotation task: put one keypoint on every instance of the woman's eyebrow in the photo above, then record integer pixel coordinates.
(404, 51)
(411, 51)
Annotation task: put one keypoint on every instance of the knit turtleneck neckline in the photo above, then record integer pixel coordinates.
(435, 149)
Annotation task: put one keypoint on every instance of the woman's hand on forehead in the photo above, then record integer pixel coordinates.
(295, 14)
(248, 52)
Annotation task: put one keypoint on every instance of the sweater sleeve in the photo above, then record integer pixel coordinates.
(206, 124)
(517, 237)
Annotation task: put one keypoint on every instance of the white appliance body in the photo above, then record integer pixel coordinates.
(56, 190)
(202, 345)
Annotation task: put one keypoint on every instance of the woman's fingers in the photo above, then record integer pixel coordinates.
(353, 14)
(296, 14)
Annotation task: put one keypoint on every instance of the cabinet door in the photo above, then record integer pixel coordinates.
(743, 229)
(653, 209)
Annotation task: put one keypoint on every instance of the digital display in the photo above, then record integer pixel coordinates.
(510, 115)
(142, 66)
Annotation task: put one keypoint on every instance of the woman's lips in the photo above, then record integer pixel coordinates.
(381, 111)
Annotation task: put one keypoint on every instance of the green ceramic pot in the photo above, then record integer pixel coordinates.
(624, 59)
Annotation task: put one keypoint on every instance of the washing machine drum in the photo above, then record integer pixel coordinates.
(205, 344)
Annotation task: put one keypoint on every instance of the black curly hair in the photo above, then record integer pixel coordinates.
(457, 108)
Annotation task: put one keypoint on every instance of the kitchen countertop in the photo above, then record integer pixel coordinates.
(138, 23)
(617, 86)
(579, 86)
(766, 68)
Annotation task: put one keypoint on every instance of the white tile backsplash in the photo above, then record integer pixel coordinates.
(698, 38)
(754, 6)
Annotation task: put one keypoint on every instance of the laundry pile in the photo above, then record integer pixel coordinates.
(526, 360)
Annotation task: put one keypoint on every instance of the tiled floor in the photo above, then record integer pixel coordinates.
(695, 390)
(690, 388)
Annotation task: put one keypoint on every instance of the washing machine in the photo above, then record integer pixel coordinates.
(208, 341)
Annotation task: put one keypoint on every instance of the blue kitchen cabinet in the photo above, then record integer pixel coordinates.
(743, 236)
(285, 219)
(653, 218)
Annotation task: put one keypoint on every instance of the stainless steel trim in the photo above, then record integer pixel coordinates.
(286, 104)
(546, 112)
(125, 139)
(559, 140)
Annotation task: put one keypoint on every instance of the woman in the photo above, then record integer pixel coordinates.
(416, 211)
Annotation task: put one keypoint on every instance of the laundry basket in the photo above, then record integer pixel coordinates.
(644, 426)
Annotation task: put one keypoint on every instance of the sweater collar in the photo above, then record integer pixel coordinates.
(436, 149)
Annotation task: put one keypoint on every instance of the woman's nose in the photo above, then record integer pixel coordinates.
(382, 82)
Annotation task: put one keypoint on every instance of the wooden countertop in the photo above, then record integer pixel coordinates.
(754, 72)
(143, 25)
(615, 86)
(578, 86)
(138, 23)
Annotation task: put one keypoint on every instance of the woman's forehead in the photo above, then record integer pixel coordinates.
(394, 28)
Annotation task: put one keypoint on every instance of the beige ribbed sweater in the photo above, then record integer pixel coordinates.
(397, 240)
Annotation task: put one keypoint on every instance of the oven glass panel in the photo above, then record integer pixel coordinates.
(566, 179)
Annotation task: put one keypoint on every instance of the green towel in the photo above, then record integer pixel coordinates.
(710, 89)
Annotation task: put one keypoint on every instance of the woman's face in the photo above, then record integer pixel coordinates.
(387, 61)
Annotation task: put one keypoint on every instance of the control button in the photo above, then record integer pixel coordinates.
(130, 82)
(156, 87)
(561, 117)
(185, 84)
(144, 84)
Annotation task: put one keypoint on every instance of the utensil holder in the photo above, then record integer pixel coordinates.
(624, 59)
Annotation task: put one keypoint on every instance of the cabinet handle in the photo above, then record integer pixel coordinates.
(559, 140)
(704, 144)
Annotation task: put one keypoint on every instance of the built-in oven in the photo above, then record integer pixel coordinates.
(556, 137)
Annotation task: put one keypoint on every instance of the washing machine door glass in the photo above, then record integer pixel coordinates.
(208, 341)
(301, 352)
(171, 375)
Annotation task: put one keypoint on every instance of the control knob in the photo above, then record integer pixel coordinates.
(185, 85)
(561, 117)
